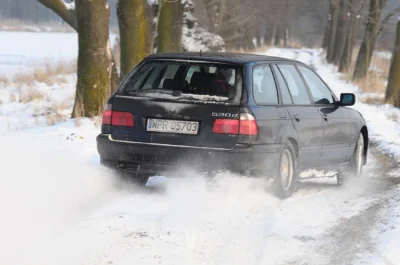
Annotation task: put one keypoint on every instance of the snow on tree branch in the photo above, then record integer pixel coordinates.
(69, 6)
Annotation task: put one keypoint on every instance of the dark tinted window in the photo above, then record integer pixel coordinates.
(264, 87)
(176, 80)
(295, 84)
(286, 99)
(319, 91)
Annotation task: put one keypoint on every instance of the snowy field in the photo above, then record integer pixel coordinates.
(59, 207)
(23, 51)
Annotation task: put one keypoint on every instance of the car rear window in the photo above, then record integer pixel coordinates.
(185, 81)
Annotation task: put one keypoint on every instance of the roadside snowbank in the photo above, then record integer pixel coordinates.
(25, 106)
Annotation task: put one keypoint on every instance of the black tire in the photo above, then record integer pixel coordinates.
(285, 172)
(357, 159)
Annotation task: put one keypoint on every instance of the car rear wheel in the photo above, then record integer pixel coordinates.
(285, 173)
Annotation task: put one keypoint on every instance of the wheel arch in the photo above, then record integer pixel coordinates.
(295, 145)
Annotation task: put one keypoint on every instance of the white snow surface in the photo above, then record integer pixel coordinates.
(70, 6)
(383, 54)
(60, 207)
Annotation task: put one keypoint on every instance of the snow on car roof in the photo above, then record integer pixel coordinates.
(217, 56)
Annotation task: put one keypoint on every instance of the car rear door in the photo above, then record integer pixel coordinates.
(271, 116)
(172, 112)
(336, 120)
(305, 117)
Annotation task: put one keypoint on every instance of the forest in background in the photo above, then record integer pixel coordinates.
(344, 28)
(238, 22)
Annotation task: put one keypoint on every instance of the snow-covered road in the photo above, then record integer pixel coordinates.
(59, 207)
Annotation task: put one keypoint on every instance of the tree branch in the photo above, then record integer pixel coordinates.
(387, 18)
(64, 10)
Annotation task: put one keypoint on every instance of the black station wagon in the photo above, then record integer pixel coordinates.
(251, 114)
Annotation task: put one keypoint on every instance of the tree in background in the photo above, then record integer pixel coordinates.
(94, 57)
(91, 21)
(355, 8)
(372, 27)
(341, 31)
(135, 30)
(169, 26)
(393, 88)
(334, 17)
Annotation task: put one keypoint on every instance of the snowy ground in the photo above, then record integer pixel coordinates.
(59, 207)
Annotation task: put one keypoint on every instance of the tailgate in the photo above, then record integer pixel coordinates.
(174, 123)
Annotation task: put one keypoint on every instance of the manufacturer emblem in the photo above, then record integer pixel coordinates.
(172, 110)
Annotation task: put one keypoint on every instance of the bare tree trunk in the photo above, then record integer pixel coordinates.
(285, 37)
(273, 35)
(268, 34)
(211, 8)
(354, 8)
(94, 58)
(393, 88)
(221, 15)
(277, 37)
(135, 33)
(347, 53)
(327, 34)
(329, 25)
(69, 15)
(333, 29)
(368, 44)
(169, 31)
(341, 32)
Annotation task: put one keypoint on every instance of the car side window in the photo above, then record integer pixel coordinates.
(295, 83)
(319, 91)
(286, 98)
(264, 86)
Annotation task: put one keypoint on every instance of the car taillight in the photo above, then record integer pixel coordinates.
(247, 125)
(122, 119)
(117, 118)
(226, 126)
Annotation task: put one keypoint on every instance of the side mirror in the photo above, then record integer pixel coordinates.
(347, 99)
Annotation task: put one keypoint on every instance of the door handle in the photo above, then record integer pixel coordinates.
(325, 117)
(296, 117)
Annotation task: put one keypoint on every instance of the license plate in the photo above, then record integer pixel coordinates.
(172, 126)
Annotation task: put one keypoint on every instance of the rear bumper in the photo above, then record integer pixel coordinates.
(162, 159)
